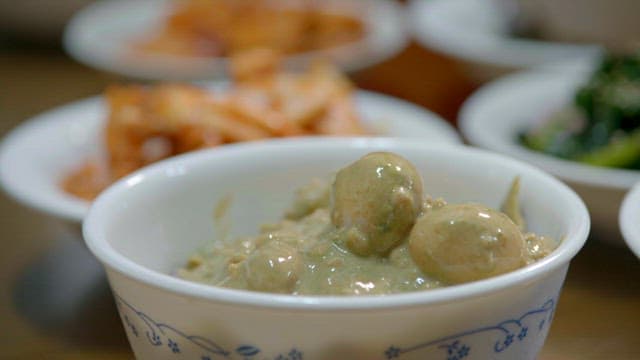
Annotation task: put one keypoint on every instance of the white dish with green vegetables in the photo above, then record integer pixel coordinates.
(497, 115)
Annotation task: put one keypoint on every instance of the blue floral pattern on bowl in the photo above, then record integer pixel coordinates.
(160, 334)
(508, 333)
(454, 347)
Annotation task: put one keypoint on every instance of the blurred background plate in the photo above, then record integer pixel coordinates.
(480, 33)
(500, 111)
(630, 219)
(101, 34)
(36, 155)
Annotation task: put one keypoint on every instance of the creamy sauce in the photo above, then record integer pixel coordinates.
(372, 231)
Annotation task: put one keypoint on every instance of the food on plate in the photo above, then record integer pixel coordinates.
(372, 231)
(149, 123)
(215, 28)
(602, 125)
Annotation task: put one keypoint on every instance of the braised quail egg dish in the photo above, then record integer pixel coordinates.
(372, 229)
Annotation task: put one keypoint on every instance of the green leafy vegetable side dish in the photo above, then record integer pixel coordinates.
(602, 126)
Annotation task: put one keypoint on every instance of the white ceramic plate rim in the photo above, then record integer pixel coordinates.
(417, 121)
(100, 247)
(630, 219)
(478, 128)
(85, 41)
(466, 30)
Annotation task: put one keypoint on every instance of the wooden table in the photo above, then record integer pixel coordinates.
(55, 302)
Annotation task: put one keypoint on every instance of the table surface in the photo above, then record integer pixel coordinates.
(55, 302)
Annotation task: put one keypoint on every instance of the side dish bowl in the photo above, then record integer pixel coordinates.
(35, 157)
(497, 113)
(144, 227)
(630, 219)
(102, 34)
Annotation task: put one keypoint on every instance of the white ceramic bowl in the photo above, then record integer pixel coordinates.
(36, 155)
(612, 23)
(493, 117)
(144, 227)
(630, 219)
(101, 35)
(476, 32)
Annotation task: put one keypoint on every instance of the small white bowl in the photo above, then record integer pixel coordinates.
(630, 219)
(144, 227)
(477, 33)
(494, 115)
(101, 36)
(36, 156)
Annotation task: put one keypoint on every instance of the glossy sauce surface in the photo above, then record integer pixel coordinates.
(372, 231)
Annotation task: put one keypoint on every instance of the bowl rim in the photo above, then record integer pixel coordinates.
(378, 44)
(629, 219)
(112, 260)
(74, 210)
(475, 130)
(487, 47)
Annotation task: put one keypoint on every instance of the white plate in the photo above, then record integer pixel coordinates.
(36, 155)
(101, 35)
(630, 219)
(494, 116)
(477, 32)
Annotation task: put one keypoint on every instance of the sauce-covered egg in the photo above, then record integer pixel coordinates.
(374, 202)
(274, 267)
(459, 243)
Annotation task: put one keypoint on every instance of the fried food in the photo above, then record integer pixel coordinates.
(210, 28)
(147, 124)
